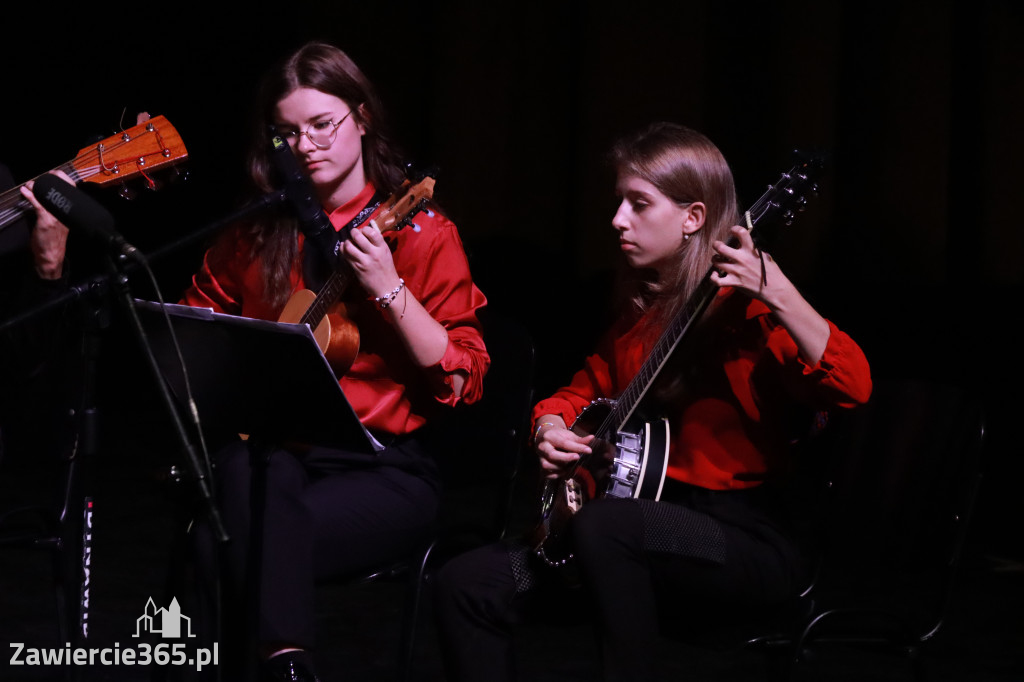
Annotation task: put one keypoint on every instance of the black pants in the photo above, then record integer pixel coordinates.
(640, 563)
(324, 513)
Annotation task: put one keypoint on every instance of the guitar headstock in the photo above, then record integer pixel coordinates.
(139, 151)
(398, 210)
(788, 196)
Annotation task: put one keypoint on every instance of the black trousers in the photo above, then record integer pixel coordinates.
(641, 564)
(299, 517)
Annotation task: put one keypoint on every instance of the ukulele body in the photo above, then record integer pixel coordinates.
(336, 334)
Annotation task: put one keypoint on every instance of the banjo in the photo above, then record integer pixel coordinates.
(629, 455)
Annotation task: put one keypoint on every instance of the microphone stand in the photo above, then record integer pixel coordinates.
(120, 271)
(199, 471)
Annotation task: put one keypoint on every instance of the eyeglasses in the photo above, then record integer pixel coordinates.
(320, 133)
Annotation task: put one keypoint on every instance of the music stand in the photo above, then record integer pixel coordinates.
(266, 379)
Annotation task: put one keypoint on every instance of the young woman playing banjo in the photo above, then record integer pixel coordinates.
(761, 358)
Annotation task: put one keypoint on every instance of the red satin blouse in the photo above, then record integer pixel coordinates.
(745, 391)
(388, 392)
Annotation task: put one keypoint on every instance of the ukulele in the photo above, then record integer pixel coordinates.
(335, 333)
(629, 455)
(139, 151)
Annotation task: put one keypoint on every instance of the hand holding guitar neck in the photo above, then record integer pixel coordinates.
(49, 238)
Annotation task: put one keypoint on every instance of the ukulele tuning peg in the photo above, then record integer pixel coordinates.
(788, 217)
(127, 193)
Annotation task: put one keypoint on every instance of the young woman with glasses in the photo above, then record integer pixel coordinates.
(759, 366)
(328, 512)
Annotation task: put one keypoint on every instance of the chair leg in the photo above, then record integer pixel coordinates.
(410, 620)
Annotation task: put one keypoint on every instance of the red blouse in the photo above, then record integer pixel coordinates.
(388, 391)
(742, 398)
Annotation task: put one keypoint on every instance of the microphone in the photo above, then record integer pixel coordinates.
(298, 192)
(79, 211)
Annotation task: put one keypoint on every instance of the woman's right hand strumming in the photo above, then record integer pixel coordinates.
(557, 447)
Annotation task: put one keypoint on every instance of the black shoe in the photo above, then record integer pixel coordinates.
(292, 666)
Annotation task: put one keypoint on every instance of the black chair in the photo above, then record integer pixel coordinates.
(904, 476)
(481, 452)
(485, 441)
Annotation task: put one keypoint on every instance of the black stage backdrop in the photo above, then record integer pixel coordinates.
(913, 245)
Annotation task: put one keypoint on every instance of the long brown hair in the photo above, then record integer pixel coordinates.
(685, 166)
(326, 68)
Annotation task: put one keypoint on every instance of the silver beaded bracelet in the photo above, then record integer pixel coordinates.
(389, 298)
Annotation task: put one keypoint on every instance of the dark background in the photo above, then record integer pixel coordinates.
(913, 245)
